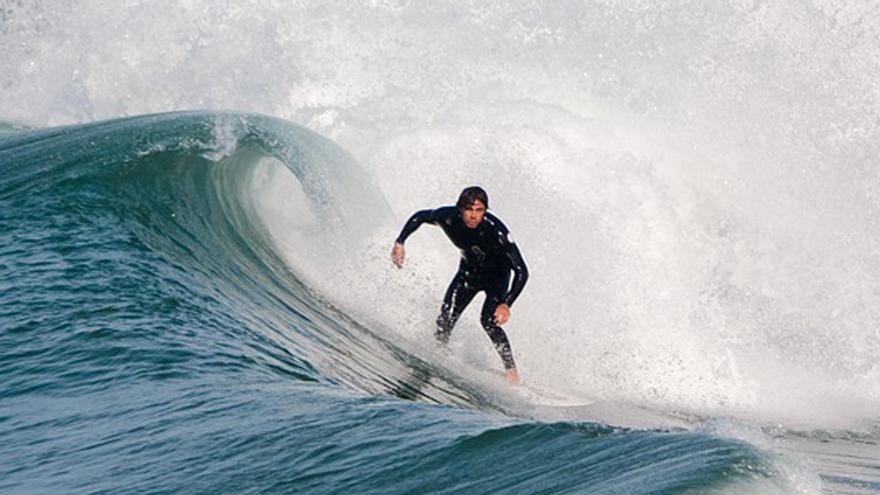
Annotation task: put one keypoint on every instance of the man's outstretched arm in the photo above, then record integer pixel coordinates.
(398, 253)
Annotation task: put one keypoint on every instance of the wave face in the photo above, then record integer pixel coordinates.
(693, 186)
(154, 339)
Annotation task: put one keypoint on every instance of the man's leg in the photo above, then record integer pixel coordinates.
(494, 297)
(457, 297)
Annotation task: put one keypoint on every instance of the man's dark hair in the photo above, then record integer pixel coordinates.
(471, 194)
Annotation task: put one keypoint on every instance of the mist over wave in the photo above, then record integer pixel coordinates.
(693, 186)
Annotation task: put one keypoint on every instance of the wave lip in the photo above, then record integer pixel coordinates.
(151, 222)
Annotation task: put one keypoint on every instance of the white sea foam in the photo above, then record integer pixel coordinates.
(694, 186)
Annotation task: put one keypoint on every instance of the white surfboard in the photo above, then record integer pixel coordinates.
(553, 398)
(534, 394)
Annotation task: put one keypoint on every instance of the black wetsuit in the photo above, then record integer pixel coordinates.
(487, 257)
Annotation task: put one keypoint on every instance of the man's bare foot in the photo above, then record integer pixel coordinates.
(512, 376)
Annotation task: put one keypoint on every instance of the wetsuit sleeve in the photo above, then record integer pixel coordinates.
(415, 221)
(520, 271)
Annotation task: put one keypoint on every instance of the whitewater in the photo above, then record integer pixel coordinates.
(198, 202)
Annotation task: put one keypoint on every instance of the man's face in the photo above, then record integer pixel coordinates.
(473, 214)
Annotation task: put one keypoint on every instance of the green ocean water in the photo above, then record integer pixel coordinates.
(153, 341)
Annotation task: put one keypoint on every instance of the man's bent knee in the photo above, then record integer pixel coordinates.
(488, 322)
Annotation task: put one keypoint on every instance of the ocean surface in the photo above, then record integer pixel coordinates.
(197, 206)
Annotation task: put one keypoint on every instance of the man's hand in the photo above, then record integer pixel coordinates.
(398, 254)
(502, 314)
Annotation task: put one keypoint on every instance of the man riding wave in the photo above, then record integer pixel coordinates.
(488, 256)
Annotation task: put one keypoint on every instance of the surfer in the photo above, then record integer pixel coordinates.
(488, 255)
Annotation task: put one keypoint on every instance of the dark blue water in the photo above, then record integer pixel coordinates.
(152, 340)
